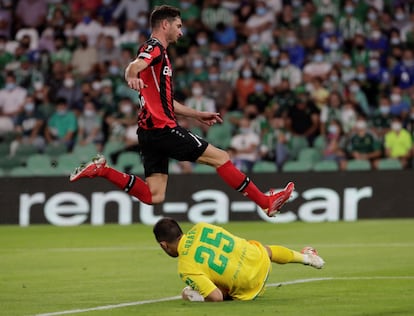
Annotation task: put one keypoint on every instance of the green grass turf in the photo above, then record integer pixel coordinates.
(46, 269)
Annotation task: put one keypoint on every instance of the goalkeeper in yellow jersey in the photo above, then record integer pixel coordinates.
(217, 265)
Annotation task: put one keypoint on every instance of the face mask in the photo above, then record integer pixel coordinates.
(2, 47)
(395, 41)
(113, 70)
(361, 76)
(228, 65)
(384, 109)
(10, 86)
(395, 98)
(245, 130)
(372, 16)
(185, 5)
(142, 21)
(29, 107)
(198, 63)
(261, 11)
(247, 74)
(400, 16)
(61, 112)
(304, 21)
(334, 46)
(362, 125)
(328, 26)
(354, 88)
(107, 2)
(318, 58)
(202, 41)
(88, 113)
(373, 63)
(283, 62)
(259, 87)
(291, 39)
(274, 53)
(396, 126)
(346, 63)
(408, 62)
(96, 85)
(333, 78)
(197, 91)
(349, 9)
(213, 77)
(126, 108)
(68, 83)
(38, 85)
(333, 129)
(376, 35)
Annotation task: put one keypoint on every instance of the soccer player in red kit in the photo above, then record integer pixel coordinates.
(160, 137)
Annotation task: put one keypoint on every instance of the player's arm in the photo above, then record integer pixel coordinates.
(132, 71)
(208, 118)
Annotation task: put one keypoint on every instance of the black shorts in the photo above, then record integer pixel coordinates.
(158, 145)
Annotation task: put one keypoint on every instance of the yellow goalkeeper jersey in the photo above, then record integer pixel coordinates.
(210, 257)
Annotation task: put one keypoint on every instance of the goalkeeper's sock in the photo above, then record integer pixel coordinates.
(284, 255)
(129, 183)
(240, 182)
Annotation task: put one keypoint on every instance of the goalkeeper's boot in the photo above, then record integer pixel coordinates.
(278, 199)
(311, 258)
(92, 169)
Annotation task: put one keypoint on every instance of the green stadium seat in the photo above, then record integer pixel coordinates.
(358, 165)
(127, 161)
(319, 143)
(4, 149)
(220, 135)
(55, 150)
(296, 144)
(325, 165)
(66, 163)
(25, 150)
(138, 168)
(297, 166)
(309, 154)
(85, 153)
(201, 168)
(8, 163)
(111, 147)
(21, 172)
(264, 166)
(389, 164)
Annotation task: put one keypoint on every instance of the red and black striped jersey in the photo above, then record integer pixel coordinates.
(157, 98)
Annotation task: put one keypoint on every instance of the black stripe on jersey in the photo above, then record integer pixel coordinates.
(163, 88)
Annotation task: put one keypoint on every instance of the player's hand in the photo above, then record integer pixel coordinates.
(136, 84)
(210, 118)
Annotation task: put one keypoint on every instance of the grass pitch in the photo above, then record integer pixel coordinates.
(47, 270)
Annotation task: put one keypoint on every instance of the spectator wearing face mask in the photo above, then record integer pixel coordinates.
(399, 106)
(84, 57)
(335, 148)
(294, 48)
(357, 95)
(348, 24)
(12, 97)
(286, 71)
(307, 32)
(62, 126)
(246, 145)
(218, 89)
(381, 121)
(90, 127)
(70, 90)
(398, 143)
(403, 72)
(198, 101)
(363, 145)
(260, 24)
(260, 96)
(317, 67)
(245, 85)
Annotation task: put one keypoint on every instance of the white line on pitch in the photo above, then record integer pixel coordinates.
(173, 298)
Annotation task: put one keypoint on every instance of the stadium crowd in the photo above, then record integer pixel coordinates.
(334, 78)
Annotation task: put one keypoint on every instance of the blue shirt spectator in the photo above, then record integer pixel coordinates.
(403, 72)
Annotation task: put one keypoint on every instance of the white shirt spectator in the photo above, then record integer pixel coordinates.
(11, 100)
(32, 33)
(259, 20)
(290, 72)
(91, 29)
(132, 9)
(244, 141)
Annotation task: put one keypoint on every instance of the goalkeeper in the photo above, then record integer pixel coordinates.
(217, 265)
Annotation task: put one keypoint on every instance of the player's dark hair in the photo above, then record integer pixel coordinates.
(167, 229)
(163, 12)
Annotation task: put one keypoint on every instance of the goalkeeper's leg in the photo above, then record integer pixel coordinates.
(283, 255)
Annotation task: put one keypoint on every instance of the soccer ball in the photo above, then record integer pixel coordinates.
(308, 250)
